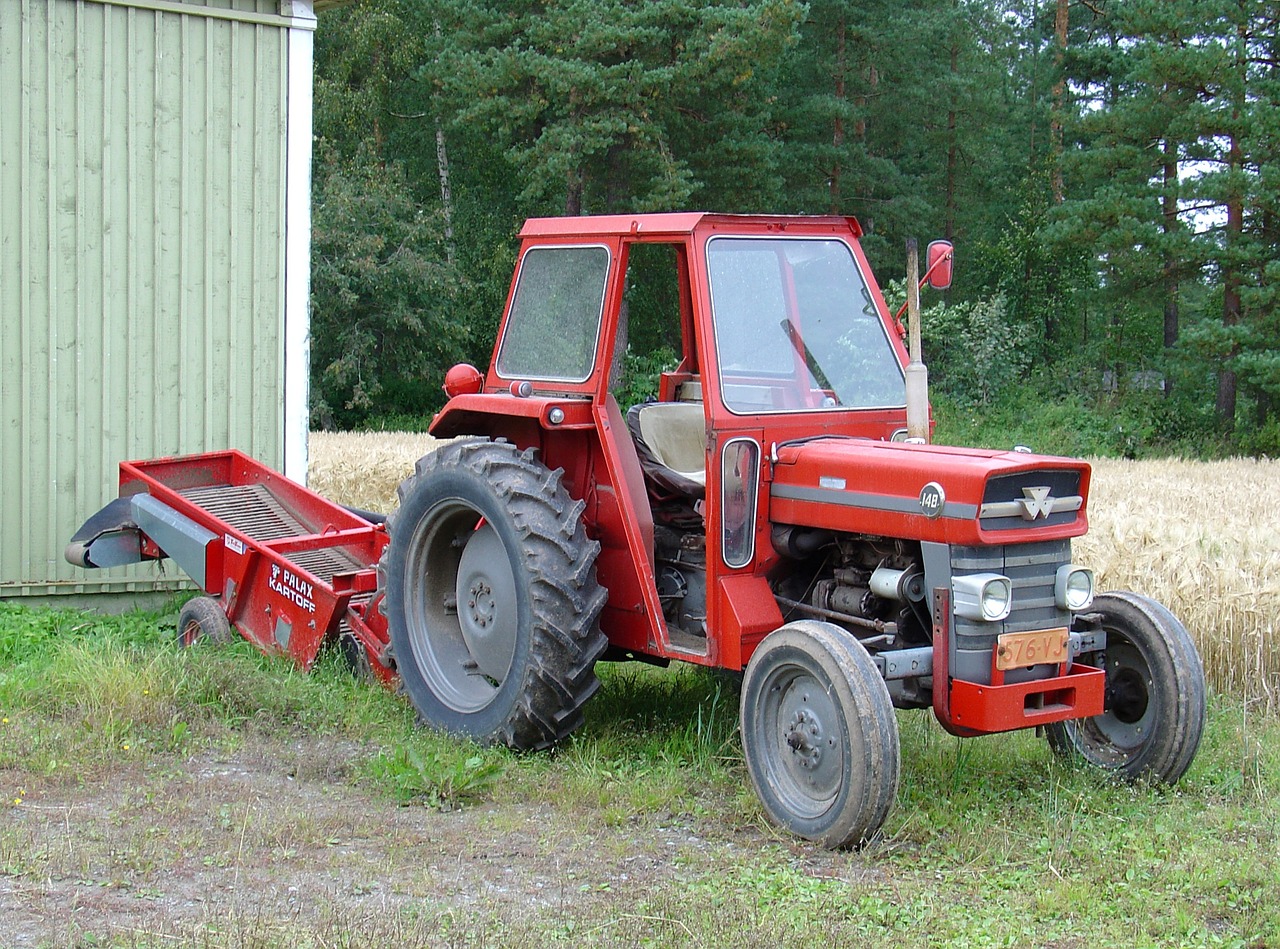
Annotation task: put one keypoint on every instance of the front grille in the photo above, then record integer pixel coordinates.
(1006, 498)
(1033, 569)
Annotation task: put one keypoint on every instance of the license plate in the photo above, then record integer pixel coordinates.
(1016, 650)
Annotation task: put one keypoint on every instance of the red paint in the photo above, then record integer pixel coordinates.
(262, 590)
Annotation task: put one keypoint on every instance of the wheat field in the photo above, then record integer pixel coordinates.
(1201, 537)
(1204, 539)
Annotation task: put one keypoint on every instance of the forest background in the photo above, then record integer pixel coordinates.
(1108, 169)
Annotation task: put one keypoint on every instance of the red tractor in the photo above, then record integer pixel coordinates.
(767, 513)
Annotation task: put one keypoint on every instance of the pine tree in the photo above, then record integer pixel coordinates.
(609, 105)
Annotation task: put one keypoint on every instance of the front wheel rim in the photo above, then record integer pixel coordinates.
(799, 726)
(1124, 728)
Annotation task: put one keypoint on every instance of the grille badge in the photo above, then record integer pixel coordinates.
(1037, 503)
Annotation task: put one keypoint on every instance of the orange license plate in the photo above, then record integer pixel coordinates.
(1017, 650)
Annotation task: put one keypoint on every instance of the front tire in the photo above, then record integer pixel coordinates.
(492, 603)
(819, 734)
(1155, 698)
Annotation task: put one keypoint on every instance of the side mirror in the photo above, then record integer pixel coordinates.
(939, 258)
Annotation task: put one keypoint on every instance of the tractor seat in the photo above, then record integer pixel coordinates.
(671, 441)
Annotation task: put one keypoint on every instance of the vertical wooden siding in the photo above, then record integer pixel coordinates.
(141, 260)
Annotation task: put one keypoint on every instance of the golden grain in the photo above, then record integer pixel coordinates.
(1202, 538)
(363, 469)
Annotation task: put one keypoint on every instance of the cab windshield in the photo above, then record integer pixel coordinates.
(796, 328)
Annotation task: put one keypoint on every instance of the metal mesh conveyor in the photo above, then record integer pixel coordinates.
(253, 510)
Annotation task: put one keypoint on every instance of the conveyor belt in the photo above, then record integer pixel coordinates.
(253, 510)
(250, 509)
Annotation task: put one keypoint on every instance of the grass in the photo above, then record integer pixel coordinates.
(137, 774)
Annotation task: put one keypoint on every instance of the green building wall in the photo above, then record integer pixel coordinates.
(152, 274)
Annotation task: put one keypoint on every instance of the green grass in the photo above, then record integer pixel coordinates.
(645, 818)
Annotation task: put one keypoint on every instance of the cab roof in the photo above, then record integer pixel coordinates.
(679, 224)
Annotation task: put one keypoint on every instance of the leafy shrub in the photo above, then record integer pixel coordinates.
(443, 778)
(641, 374)
(972, 349)
(383, 331)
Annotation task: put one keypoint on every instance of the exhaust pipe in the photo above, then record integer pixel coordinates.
(917, 374)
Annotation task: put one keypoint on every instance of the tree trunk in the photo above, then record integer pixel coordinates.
(953, 151)
(1060, 22)
(573, 193)
(837, 135)
(1226, 403)
(1170, 264)
(446, 193)
(860, 131)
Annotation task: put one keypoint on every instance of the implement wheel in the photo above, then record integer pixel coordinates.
(1155, 699)
(202, 618)
(491, 600)
(819, 734)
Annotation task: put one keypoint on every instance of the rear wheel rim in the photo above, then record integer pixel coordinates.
(486, 595)
(461, 606)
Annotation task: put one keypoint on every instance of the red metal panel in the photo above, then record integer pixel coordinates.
(1080, 693)
(874, 487)
(618, 473)
(673, 225)
(548, 229)
(748, 612)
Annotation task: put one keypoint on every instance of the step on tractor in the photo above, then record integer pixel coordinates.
(777, 511)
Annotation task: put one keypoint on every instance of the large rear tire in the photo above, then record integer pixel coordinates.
(1155, 699)
(491, 601)
(819, 734)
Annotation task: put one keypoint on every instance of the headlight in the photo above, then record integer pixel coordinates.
(1073, 588)
(983, 596)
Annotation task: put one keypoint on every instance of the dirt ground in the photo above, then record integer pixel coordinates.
(263, 847)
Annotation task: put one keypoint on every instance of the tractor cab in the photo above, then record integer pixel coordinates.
(778, 333)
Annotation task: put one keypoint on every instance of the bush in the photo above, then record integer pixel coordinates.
(641, 374)
(972, 351)
(383, 330)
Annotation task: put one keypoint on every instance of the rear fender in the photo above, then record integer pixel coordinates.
(496, 413)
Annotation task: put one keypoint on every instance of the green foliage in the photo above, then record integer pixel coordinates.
(604, 106)
(640, 375)
(366, 52)
(1110, 192)
(32, 635)
(1073, 414)
(972, 350)
(381, 288)
(1039, 278)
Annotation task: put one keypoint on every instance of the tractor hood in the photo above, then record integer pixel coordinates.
(926, 492)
